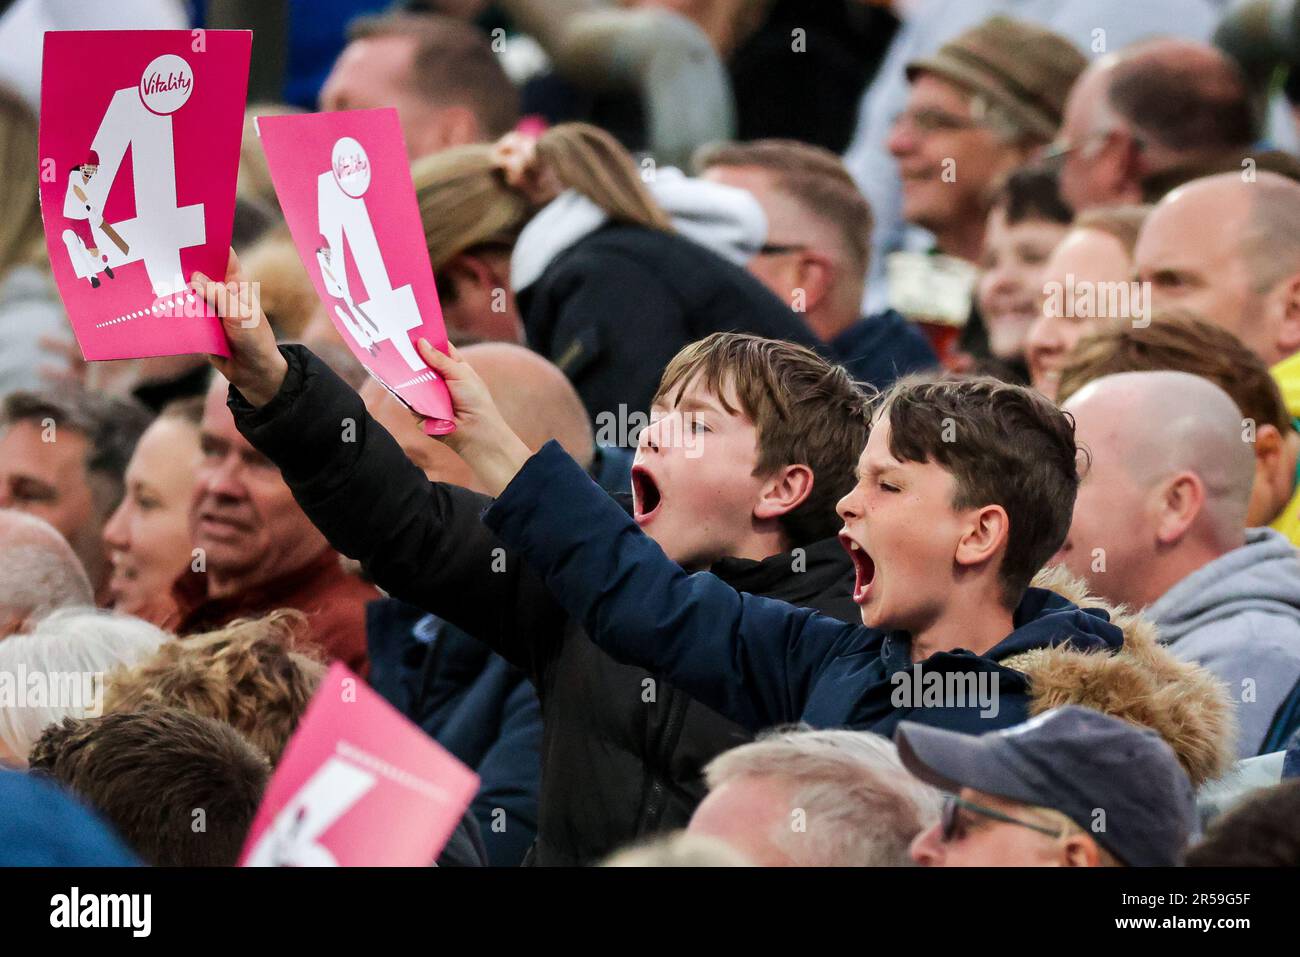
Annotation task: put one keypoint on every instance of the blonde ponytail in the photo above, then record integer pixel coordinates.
(21, 235)
(591, 161)
(465, 201)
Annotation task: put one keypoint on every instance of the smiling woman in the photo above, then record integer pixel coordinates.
(1092, 262)
(148, 536)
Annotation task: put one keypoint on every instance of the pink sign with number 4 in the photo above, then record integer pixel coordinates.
(358, 785)
(344, 183)
(139, 157)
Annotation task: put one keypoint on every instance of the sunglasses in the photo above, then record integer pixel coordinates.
(952, 804)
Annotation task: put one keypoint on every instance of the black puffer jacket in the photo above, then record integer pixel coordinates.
(622, 751)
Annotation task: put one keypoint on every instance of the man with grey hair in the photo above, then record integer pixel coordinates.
(804, 798)
(63, 457)
(1143, 116)
(58, 671)
(38, 572)
(1159, 524)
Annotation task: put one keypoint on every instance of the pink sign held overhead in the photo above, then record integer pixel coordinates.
(344, 183)
(358, 786)
(139, 157)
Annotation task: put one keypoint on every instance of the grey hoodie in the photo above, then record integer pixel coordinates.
(1239, 617)
(722, 218)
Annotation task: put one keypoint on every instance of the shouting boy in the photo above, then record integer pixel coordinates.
(751, 444)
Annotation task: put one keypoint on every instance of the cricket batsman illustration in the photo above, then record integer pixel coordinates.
(380, 313)
(108, 247)
(352, 315)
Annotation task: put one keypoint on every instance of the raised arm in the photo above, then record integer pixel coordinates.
(420, 541)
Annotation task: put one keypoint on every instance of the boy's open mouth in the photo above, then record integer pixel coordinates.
(864, 568)
(646, 497)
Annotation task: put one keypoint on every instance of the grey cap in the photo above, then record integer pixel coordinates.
(1077, 761)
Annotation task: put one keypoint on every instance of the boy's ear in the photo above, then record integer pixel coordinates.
(785, 491)
(988, 532)
(1268, 444)
(1288, 336)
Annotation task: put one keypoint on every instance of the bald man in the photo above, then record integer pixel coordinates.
(1143, 114)
(39, 572)
(1228, 249)
(1159, 524)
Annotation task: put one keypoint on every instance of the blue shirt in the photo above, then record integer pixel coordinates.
(883, 347)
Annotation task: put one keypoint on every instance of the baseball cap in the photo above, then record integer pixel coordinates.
(1118, 781)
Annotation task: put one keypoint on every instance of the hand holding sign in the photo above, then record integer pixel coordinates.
(481, 437)
(255, 366)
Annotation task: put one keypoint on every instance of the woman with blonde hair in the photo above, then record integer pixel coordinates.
(256, 674)
(558, 241)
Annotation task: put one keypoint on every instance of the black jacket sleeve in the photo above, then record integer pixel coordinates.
(420, 541)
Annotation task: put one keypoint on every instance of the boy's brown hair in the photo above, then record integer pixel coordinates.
(155, 774)
(252, 674)
(805, 410)
(1005, 445)
(1177, 340)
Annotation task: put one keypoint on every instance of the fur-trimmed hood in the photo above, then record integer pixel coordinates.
(1142, 683)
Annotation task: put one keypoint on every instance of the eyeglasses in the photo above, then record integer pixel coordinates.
(780, 249)
(952, 803)
(1057, 151)
(934, 121)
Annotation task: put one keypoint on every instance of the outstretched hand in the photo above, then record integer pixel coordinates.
(255, 366)
(482, 437)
